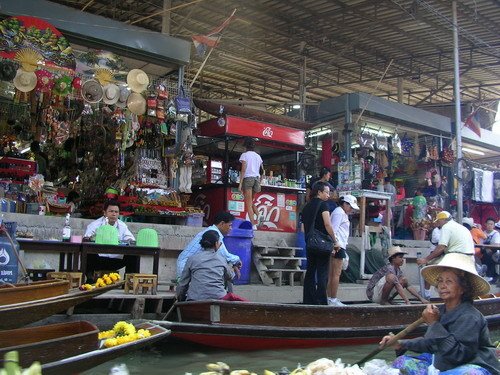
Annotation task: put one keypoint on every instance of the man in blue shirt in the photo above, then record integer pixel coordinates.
(223, 222)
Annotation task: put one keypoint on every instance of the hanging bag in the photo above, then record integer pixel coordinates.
(182, 102)
(318, 242)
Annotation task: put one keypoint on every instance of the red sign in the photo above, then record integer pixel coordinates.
(250, 128)
(278, 210)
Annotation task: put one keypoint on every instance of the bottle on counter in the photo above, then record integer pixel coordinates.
(66, 233)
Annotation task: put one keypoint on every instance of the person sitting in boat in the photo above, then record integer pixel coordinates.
(223, 222)
(205, 273)
(111, 211)
(390, 277)
(457, 340)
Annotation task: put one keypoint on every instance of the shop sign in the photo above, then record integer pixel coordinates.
(250, 128)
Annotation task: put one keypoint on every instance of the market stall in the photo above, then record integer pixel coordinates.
(89, 123)
(217, 175)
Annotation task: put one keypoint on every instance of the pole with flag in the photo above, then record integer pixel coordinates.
(212, 39)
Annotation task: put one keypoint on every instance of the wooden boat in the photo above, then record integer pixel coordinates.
(16, 315)
(261, 326)
(69, 348)
(254, 114)
(16, 293)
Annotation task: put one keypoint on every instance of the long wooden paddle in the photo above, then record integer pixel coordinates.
(170, 310)
(394, 338)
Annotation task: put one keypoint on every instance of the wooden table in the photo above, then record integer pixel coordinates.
(69, 252)
(92, 248)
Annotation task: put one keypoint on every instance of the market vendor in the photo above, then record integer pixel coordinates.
(110, 216)
(110, 261)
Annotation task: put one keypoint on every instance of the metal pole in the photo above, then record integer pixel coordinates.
(458, 115)
(302, 88)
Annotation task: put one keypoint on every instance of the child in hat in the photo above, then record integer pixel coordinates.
(391, 277)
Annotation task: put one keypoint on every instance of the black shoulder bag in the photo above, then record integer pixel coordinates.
(318, 242)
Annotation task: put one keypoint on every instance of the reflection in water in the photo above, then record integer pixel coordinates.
(175, 358)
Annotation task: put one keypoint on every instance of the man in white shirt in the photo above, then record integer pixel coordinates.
(454, 238)
(110, 261)
(251, 170)
(492, 238)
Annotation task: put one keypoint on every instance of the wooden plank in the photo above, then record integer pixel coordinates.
(283, 258)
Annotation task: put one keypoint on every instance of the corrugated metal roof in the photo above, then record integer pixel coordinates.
(346, 44)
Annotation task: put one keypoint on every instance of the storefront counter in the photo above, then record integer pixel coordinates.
(69, 252)
(277, 205)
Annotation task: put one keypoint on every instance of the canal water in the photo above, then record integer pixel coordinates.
(176, 358)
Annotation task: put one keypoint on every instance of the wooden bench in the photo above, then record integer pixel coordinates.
(277, 274)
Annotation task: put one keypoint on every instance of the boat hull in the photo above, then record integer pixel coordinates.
(19, 314)
(86, 361)
(260, 326)
(18, 293)
(49, 343)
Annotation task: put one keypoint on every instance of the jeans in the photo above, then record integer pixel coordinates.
(316, 279)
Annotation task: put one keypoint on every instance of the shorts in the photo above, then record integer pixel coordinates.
(341, 254)
(252, 183)
(377, 290)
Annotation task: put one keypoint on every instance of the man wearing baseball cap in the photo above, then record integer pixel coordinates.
(455, 238)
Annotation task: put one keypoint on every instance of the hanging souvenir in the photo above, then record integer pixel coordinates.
(162, 92)
(406, 145)
(381, 142)
(25, 81)
(366, 140)
(434, 152)
(171, 110)
(45, 81)
(111, 94)
(182, 102)
(137, 80)
(447, 156)
(396, 144)
(7, 70)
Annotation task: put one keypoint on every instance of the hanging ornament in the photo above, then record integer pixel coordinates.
(406, 144)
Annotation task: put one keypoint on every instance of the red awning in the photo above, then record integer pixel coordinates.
(266, 133)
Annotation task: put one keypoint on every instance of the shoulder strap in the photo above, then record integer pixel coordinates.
(314, 219)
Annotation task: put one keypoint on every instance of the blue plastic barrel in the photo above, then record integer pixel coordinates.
(8, 259)
(239, 242)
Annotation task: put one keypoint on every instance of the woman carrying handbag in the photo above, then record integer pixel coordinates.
(320, 243)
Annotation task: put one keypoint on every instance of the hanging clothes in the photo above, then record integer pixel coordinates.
(487, 187)
(478, 183)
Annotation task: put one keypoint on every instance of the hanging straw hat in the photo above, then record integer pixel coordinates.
(395, 250)
(92, 91)
(122, 99)
(111, 93)
(137, 80)
(136, 103)
(458, 261)
(25, 81)
(8, 70)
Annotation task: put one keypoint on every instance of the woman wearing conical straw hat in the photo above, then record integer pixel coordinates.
(457, 341)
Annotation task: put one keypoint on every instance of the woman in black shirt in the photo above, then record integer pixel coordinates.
(316, 277)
